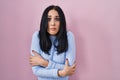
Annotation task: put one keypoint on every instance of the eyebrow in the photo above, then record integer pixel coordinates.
(55, 16)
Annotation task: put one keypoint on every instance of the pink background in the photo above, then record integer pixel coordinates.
(95, 24)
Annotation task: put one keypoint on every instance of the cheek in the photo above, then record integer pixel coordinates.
(48, 24)
(58, 26)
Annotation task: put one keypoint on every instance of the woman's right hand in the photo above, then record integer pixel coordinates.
(68, 70)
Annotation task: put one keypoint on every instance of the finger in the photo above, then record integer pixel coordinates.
(30, 60)
(31, 57)
(32, 64)
(35, 53)
(74, 65)
(71, 74)
(73, 70)
(66, 62)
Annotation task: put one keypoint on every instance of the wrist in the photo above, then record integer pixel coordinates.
(61, 73)
(46, 63)
(43, 63)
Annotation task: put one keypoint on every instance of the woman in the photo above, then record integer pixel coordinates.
(53, 48)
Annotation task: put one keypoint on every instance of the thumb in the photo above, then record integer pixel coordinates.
(66, 62)
(35, 53)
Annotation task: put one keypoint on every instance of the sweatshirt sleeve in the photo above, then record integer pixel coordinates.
(55, 65)
(39, 70)
(70, 53)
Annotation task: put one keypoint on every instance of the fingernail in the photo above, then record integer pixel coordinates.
(32, 50)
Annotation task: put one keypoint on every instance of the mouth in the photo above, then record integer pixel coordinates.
(52, 29)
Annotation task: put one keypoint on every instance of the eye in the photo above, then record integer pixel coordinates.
(48, 19)
(57, 19)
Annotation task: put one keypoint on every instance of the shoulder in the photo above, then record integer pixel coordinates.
(70, 34)
(35, 35)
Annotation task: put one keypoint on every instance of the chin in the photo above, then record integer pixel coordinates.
(52, 34)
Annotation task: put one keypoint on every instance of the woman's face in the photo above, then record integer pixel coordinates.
(53, 22)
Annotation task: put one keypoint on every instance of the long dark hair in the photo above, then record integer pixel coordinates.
(61, 37)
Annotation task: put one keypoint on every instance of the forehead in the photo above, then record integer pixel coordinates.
(53, 13)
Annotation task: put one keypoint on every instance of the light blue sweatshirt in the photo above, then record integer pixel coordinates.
(56, 62)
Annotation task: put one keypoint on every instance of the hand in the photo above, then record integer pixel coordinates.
(37, 60)
(68, 70)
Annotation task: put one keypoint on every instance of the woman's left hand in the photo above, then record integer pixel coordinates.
(37, 60)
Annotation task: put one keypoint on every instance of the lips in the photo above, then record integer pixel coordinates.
(52, 29)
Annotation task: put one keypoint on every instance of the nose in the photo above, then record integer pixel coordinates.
(53, 22)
